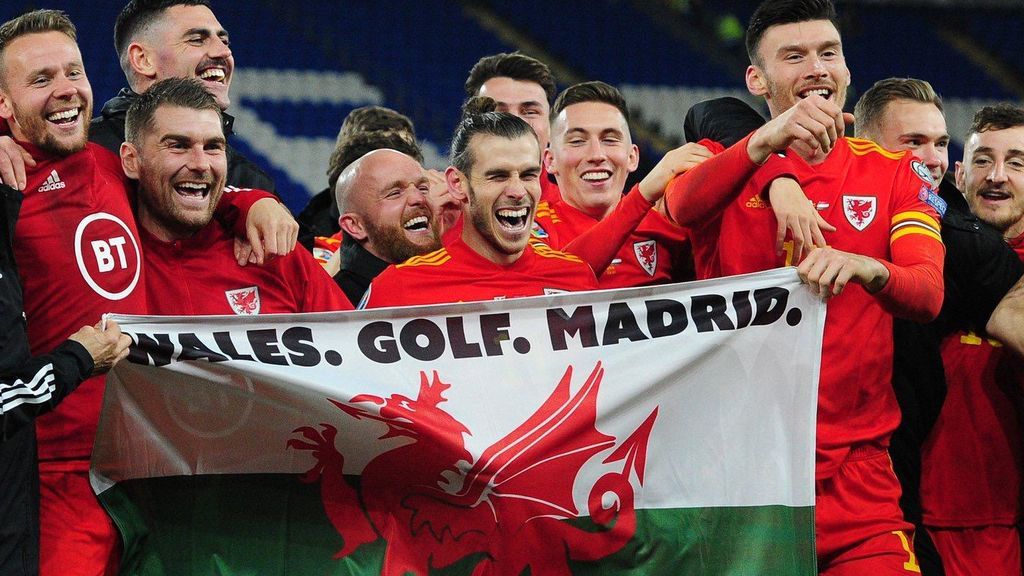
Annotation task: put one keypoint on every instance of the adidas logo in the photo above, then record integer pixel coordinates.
(52, 183)
(755, 201)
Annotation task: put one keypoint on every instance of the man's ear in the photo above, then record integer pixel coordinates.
(549, 161)
(456, 183)
(958, 172)
(756, 83)
(141, 61)
(130, 160)
(6, 109)
(634, 158)
(352, 225)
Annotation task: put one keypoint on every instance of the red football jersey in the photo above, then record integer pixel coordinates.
(199, 275)
(549, 191)
(653, 250)
(78, 255)
(877, 203)
(971, 464)
(456, 273)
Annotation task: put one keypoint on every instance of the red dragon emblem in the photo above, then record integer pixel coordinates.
(244, 301)
(435, 505)
(647, 255)
(859, 210)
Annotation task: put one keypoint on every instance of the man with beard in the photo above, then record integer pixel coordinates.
(319, 218)
(971, 464)
(386, 217)
(159, 39)
(883, 259)
(495, 167)
(76, 247)
(176, 150)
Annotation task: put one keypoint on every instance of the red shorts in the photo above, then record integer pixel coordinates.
(858, 522)
(979, 551)
(76, 536)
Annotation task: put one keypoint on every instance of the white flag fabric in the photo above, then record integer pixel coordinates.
(581, 433)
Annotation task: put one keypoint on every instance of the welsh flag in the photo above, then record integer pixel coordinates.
(662, 430)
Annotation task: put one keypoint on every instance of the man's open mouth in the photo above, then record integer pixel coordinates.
(513, 219)
(417, 224)
(596, 176)
(825, 93)
(64, 117)
(213, 74)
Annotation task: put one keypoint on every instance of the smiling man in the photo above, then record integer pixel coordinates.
(522, 86)
(495, 167)
(972, 464)
(386, 215)
(884, 258)
(159, 39)
(991, 175)
(76, 249)
(176, 151)
(590, 156)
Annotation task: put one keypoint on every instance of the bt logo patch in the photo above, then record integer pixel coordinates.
(108, 255)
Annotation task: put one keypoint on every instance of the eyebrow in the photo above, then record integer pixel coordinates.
(400, 183)
(204, 32)
(603, 132)
(804, 47)
(943, 136)
(189, 139)
(989, 150)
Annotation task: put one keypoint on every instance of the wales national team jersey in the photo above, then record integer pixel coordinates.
(456, 273)
(879, 202)
(632, 246)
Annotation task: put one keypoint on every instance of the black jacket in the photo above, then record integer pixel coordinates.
(318, 218)
(358, 269)
(28, 387)
(107, 130)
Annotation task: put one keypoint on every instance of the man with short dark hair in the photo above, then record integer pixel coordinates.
(159, 39)
(884, 258)
(522, 86)
(176, 150)
(77, 250)
(495, 166)
(971, 469)
(590, 156)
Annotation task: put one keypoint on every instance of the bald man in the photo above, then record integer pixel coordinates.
(386, 217)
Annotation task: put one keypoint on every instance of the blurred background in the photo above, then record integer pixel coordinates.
(302, 66)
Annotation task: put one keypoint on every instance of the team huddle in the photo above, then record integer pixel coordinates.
(147, 209)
